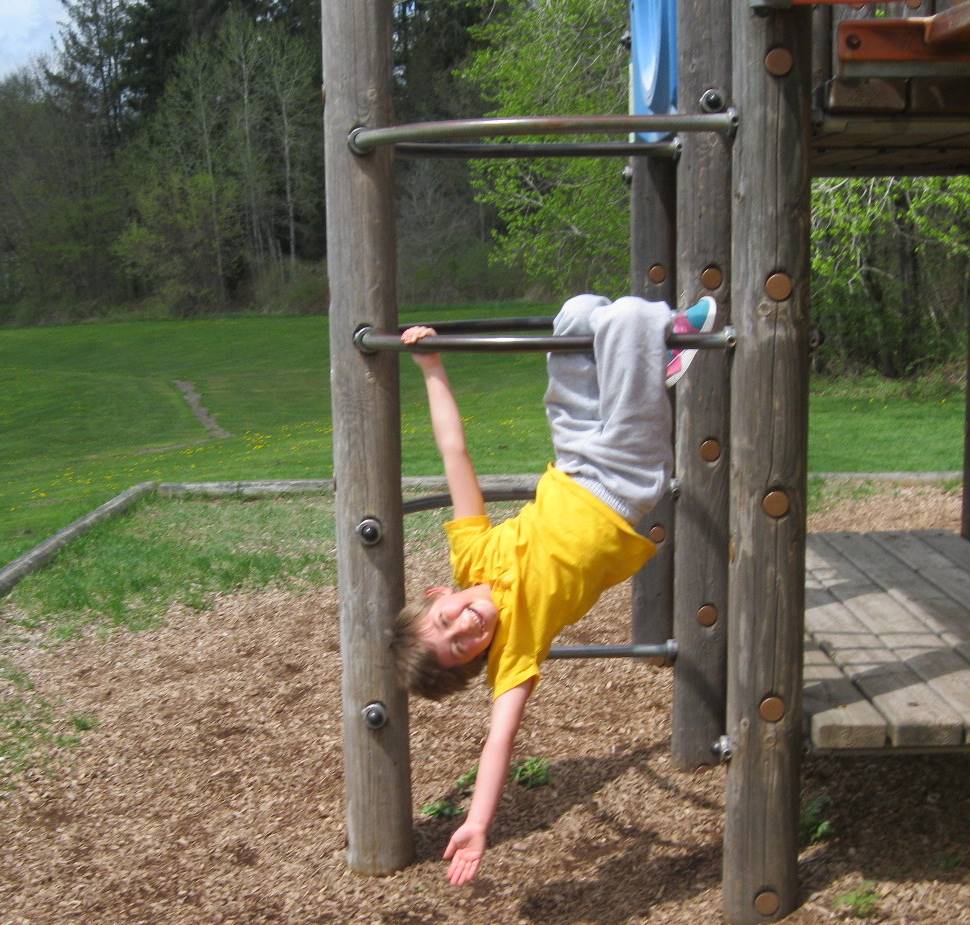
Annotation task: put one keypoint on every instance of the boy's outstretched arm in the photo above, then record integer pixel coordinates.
(449, 433)
(467, 845)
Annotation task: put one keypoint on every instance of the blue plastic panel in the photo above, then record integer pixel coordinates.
(653, 28)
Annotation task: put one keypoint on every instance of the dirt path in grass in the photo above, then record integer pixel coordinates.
(210, 790)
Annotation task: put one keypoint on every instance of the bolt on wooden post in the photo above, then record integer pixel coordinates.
(367, 435)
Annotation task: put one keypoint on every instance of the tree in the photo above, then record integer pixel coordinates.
(565, 220)
(292, 107)
(891, 271)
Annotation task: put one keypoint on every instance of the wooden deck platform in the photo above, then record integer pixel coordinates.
(887, 641)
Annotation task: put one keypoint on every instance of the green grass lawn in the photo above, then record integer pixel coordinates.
(88, 410)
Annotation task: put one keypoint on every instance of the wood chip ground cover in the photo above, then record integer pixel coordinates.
(210, 790)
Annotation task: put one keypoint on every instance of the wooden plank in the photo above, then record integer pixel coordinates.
(954, 547)
(860, 643)
(837, 713)
(865, 94)
(943, 95)
(367, 433)
(769, 413)
(703, 397)
(926, 580)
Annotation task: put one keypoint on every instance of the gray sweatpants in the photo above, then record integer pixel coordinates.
(609, 411)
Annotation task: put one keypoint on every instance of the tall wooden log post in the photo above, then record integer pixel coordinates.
(769, 428)
(965, 520)
(367, 435)
(703, 395)
(652, 266)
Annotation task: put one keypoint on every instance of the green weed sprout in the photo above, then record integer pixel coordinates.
(862, 901)
(83, 723)
(441, 809)
(466, 782)
(813, 826)
(533, 772)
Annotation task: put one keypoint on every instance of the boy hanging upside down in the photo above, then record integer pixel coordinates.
(526, 579)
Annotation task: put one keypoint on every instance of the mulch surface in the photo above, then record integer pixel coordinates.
(211, 789)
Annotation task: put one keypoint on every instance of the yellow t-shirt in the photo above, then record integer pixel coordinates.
(546, 566)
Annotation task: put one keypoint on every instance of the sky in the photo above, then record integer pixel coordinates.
(26, 30)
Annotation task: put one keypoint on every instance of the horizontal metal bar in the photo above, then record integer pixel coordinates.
(433, 502)
(489, 325)
(364, 139)
(658, 149)
(665, 650)
(367, 340)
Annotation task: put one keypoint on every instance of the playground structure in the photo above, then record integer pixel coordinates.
(770, 93)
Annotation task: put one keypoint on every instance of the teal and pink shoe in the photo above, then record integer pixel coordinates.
(698, 319)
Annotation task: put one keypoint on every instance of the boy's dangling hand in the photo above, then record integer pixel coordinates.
(465, 850)
(411, 336)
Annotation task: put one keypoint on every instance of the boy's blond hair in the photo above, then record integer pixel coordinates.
(418, 669)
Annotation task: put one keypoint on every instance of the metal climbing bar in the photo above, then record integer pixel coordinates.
(434, 502)
(368, 340)
(669, 150)
(665, 650)
(362, 140)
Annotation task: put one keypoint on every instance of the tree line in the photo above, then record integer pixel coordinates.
(168, 156)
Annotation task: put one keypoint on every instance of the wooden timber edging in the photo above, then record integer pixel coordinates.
(34, 559)
(41, 554)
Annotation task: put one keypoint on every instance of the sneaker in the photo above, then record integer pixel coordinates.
(698, 319)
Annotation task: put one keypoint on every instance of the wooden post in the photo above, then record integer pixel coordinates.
(703, 433)
(965, 520)
(367, 433)
(769, 430)
(652, 270)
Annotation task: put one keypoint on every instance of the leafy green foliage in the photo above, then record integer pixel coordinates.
(891, 266)
(441, 809)
(466, 782)
(566, 221)
(531, 772)
(813, 823)
(861, 902)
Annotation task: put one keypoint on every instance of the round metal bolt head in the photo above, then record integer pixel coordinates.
(712, 100)
(722, 748)
(707, 615)
(767, 902)
(371, 531)
(775, 503)
(853, 41)
(712, 277)
(658, 534)
(375, 715)
(779, 286)
(657, 273)
(710, 450)
(771, 709)
(779, 62)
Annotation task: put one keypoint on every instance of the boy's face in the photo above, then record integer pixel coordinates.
(459, 625)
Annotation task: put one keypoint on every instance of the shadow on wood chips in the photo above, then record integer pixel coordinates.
(211, 790)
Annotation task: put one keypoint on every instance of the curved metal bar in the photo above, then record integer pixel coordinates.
(364, 139)
(367, 340)
(433, 502)
(665, 650)
(657, 149)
